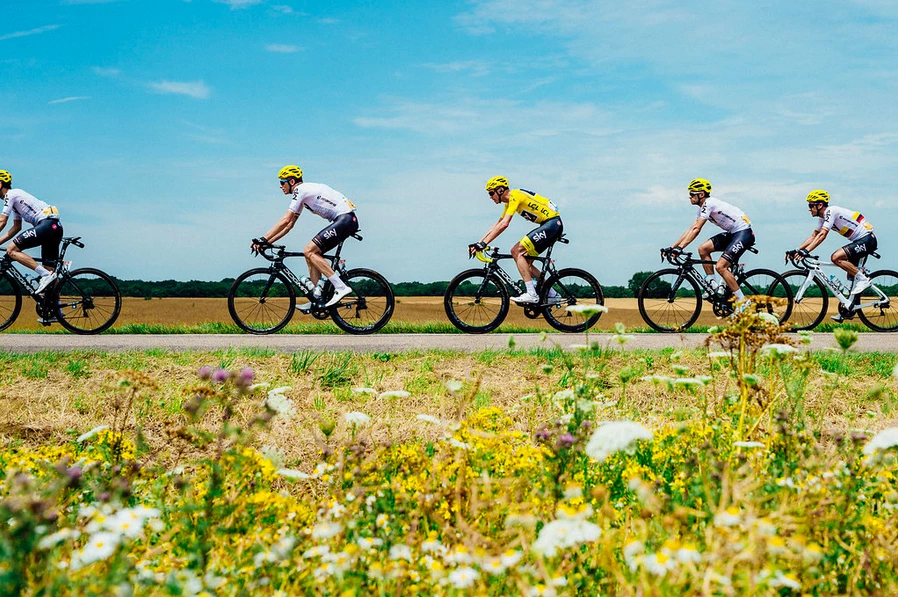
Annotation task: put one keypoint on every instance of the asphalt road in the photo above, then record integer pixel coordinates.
(383, 342)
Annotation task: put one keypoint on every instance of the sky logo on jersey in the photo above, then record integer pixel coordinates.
(329, 233)
(540, 236)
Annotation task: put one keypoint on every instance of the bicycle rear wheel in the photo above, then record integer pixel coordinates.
(10, 300)
(669, 301)
(809, 309)
(474, 303)
(882, 313)
(261, 301)
(573, 287)
(87, 301)
(769, 292)
(368, 307)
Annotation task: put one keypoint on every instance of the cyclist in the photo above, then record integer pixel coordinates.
(850, 224)
(736, 238)
(46, 230)
(534, 208)
(323, 201)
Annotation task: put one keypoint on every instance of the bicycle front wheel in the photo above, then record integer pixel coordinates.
(669, 301)
(769, 292)
(808, 309)
(88, 301)
(571, 287)
(368, 307)
(10, 300)
(261, 301)
(880, 312)
(475, 303)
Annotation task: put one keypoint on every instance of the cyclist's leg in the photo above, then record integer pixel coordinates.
(849, 256)
(46, 232)
(536, 241)
(331, 236)
(718, 242)
(739, 244)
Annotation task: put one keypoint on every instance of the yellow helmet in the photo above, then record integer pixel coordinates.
(496, 182)
(5, 177)
(818, 195)
(290, 171)
(699, 184)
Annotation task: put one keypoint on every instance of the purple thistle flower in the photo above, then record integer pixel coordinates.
(247, 376)
(566, 441)
(220, 375)
(205, 372)
(542, 435)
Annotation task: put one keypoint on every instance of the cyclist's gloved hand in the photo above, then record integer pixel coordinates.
(258, 244)
(803, 253)
(474, 247)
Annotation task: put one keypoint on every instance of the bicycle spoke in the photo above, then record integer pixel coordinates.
(668, 301)
(368, 307)
(880, 309)
(88, 301)
(261, 302)
(809, 309)
(474, 303)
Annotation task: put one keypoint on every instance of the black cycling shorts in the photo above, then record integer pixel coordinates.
(337, 231)
(733, 244)
(860, 248)
(539, 239)
(47, 234)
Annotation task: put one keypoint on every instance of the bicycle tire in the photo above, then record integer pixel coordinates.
(479, 307)
(371, 295)
(657, 304)
(809, 313)
(10, 300)
(879, 318)
(88, 301)
(571, 294)
(250, 301)
(767, 283)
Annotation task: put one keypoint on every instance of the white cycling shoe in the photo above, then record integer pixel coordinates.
(861, 285)
(525, 299)
(338, 296)
(45, 282)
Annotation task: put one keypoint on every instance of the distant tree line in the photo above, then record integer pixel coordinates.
(199, 289)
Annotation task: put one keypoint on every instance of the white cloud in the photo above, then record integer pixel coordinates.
(283, 48)
(477, 68)
(73, 98)
(194, 89)
(89, 1)
(327, 21)
(107, 72)
(43, 29)
(283, 8)
(237, 4)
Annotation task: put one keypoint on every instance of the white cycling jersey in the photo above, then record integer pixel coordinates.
(24, 206)
(727, 216)
(321, 200)
(850, 224)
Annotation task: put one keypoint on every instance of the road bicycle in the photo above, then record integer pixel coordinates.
(83, 301)
(670, 300)
(262, 300)
(477, 300)
(809, 285)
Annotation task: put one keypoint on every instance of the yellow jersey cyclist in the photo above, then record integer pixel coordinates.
(46, 231)
(736, 238)
(534, 208)
(322, 201)
(850, 224)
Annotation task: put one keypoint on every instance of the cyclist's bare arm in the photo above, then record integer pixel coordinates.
(281, 228)
(815, 240)
(497, 229)
(16, 228)
(690, 234)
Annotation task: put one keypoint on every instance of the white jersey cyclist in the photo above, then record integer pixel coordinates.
(25, 206)
(850, 224)
(725, 215)
(321, 200)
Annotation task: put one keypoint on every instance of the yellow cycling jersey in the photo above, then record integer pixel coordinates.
(531, 206)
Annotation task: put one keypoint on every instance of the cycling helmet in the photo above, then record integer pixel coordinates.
(290, 171)
(699, 184)
(5, 177)
(818, 195)
(496, 182)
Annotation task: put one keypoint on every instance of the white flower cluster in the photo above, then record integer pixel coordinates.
(885, 439)
(107, 529)
(568, 530)
(280, 404)
(615, 436)
(356, 418)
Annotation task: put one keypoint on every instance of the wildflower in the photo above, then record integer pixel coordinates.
(729, 517)
(494, 566)
(453, 385)
(290, 473)
(100, 546)
(768, 317)
(658, 379)
(688, 553)
(129, 522)
(511, 558)
(658, 563)
(689, 383)
(777, 351)
(718, 355)
(357, 418)
(680, 369)
(885, 439)
(245, 377)
(622, 338)
(431, 544)
(86, 436)
(748, 444)
(326, 530)
(394, 394)
(221, 375)
(401, 552)
(280, 404)
(765, 526)
(58, 537)
(776, 545)
(382, 521)
(615, 436)
(457, 444)
(580, 347)
(205, 372)
(541, 590)
(364, 390)
(813, 552)
(587, 310)
(367, 543)
(631, 552)
(274, 455)
(713, 329)
(429, 419)
(464, 577)
(316, 551)
(459, 555)
(782, 580)
(564, 533)
(805, 336)
(845, 338)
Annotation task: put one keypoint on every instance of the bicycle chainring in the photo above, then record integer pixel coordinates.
(43, 310)
(846, 313)
(532, 312)
(321, 313)
(723, 308)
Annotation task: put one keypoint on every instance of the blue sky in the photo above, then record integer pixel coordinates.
(157, 127)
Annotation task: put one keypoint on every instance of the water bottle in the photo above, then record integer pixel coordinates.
(836, 283)
(306, 284)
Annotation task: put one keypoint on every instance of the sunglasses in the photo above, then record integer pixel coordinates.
(695, 194)
(283, 182)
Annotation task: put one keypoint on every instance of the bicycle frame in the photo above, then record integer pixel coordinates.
(686, 266)
(278, 265)
(6, 265)
(814, 267)
(492, 266)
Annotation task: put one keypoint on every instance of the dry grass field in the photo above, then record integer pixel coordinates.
(191, 311)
